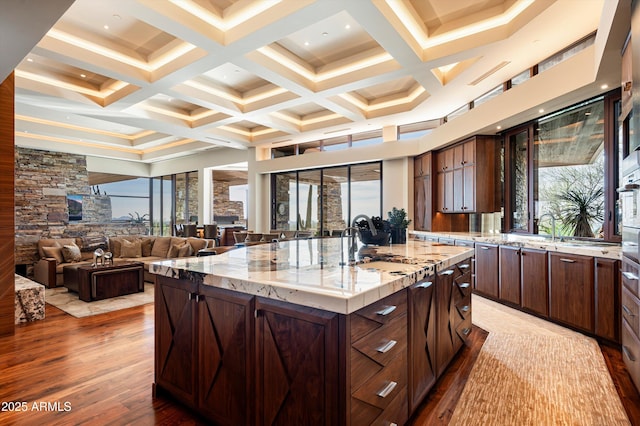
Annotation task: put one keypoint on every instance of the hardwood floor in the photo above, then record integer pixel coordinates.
(99, 370)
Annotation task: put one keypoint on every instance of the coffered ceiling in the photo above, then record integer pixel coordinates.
(148, 80)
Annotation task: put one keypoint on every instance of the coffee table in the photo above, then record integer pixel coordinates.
(102, 282)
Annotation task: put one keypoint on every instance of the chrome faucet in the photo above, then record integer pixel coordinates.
(351, 232)
(372, 227)
(553, 224)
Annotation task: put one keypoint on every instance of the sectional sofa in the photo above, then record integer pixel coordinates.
(56, 253)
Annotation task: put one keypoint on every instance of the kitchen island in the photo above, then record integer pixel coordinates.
(281, 333)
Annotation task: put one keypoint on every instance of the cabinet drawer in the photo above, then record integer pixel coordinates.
(395, 413)
(369, 318)
(630, 310)
(463, 311)
(463, 330)
(465, 243)
(630, 274)
(631, 353)
(378, 349)
(462, 288)
(381, 389)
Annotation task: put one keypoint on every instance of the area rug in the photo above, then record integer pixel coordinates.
(67, 301)
(531, 372)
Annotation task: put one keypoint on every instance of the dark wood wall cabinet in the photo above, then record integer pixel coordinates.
(239, 359)
(582, 292)
(423, 192)
(466, 176)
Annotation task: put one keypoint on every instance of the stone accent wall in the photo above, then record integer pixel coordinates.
(332, 203)
(222, 205)
(43, 180)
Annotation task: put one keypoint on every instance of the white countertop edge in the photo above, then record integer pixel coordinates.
(608, 251)
(329, 299)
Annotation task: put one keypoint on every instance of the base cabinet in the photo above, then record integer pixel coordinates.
(487, 267)
(571, 290)
(422, 340)
(510, 258)
(296, 383)
(535, 287)
(239, 359)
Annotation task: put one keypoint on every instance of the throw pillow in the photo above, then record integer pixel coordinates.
(130, 249)
(161, 246)
(115, 243)
(147, 244)
(71, 253)
(180, 250)
(185, 250)
(53, 252)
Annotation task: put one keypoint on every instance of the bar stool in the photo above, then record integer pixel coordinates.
(211, 233)
(190, 230)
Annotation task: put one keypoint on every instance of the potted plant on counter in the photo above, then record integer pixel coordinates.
(399, 222)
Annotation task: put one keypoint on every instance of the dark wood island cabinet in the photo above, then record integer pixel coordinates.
(243, 359)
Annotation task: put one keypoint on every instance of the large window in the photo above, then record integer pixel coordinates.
(129, 199)
(557, 172)
(325, 200)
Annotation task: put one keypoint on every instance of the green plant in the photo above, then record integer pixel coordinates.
(137, 218)
(398, 218)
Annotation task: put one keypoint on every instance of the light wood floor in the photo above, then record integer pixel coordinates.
(100, 370)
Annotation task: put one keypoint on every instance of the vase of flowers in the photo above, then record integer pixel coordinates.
(398, 222)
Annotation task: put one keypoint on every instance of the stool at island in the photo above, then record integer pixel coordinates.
(29, 300)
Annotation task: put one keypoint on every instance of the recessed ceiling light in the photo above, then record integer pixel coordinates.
(347, 26)
(106, 27)
(29, 59)
(83, 75)
(499, 127)
(325, 33)
(237, 70)
(306, 43)
(604, 86)
(116, 16)
(587, 113)
(541, 110)
(224, 77)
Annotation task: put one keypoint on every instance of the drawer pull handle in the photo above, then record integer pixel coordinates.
(384, 392)
(465, 285)
(627, 311)
(562, 259)
(485, 248)
(386, 311)
(630, 276)
(387, 346)
(447, 272)
(465, 308)
(464, 266)
(628, 353)
(425, 284)
(466, 331)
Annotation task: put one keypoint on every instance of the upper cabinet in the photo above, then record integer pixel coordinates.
(422, 165)
(466, 176)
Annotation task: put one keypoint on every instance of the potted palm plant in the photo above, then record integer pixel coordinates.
(399, 222)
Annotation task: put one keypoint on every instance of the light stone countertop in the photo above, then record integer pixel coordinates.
(586, 248)
(308, 272)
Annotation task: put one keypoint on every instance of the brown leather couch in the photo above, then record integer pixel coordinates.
(54, 256)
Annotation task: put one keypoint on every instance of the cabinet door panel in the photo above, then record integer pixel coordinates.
(571, 290)
(469, 188)
(458, 190)
(297, 384)
(510, 274)
(535, 288)
(175, 337)
(422, 203)
(487, 270)
(422, 341)
(225, 376)
(448, 192)
(607, 295)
